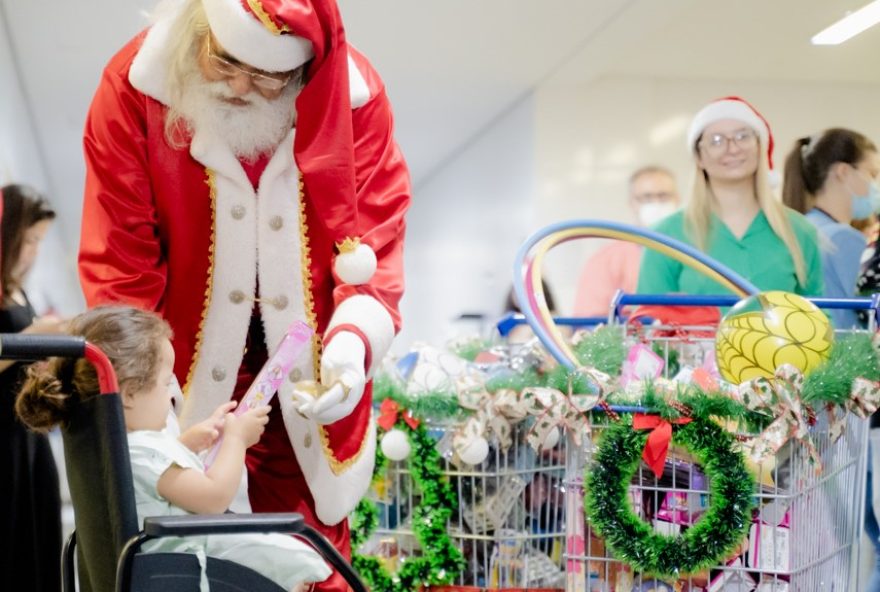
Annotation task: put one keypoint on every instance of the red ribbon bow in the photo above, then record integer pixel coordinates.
(657, 446)
(389, 413)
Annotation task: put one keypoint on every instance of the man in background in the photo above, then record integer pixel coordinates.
(652, 196)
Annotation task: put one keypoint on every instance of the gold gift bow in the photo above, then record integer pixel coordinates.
(567, 412)
(780, 397)
(497, 412)
(554, 409)
(864, 399)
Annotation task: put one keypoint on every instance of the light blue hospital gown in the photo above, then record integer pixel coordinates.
(281, 558)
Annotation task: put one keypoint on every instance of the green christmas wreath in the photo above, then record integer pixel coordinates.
(442, 560)
(707, 542)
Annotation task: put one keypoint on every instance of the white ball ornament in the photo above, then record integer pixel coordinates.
(356, 266)
(552, 439)
(395, 445)
(475, 452)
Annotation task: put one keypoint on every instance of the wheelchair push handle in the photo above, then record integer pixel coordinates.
(17, 346)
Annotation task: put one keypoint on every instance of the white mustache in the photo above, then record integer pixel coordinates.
(221, 90)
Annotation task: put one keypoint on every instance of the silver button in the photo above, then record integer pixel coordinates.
(218, 374)
(238, 211)
(276, 222)
(236, 297)
(307, 442)
(280, 302)
(296, 375)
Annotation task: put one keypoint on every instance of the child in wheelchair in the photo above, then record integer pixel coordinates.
(169, 476)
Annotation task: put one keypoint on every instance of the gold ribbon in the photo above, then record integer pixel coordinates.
(781, 397)
(555, 409)
(864, 397)
(778, 397)
(496, 413)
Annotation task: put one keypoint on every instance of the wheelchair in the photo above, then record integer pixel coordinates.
(104, 550)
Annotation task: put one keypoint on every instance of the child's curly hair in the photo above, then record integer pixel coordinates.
(130, 337)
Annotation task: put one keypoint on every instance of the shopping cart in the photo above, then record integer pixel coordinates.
(509, 522)
(807, 527)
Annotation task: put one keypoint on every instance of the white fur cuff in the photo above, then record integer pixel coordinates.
(372, 318)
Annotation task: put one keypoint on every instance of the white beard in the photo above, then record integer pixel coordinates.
(248, 130)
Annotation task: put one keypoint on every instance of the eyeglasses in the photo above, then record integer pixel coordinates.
(263, 80)
(718, 144)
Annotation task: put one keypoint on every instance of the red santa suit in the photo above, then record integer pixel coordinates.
(188, 233)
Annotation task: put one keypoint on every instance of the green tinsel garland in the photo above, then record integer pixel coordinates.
(441, 560)
(602, 349)
(851, 357)
(434, 404)
(469, 349)
(707, 542)
(699, 403)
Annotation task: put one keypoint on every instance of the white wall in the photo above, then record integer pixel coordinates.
(19, 156)
(589, 137)
(466, 221)
(53, 283)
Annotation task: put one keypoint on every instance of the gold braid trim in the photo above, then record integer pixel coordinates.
(264, 17)
(209, 284)
(306, 271)
(339, 466)
(336, 466)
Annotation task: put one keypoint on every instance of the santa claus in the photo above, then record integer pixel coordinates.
(241, 175)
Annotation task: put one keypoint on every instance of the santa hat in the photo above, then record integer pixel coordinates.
(279, 36)
(732, 108)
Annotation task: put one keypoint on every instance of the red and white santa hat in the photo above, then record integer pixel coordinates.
(735, 108)
(279, 36)
(248, 30)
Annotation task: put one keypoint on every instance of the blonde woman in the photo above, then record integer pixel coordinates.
(733, 215)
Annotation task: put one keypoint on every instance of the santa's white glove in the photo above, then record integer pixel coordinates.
(344, 377)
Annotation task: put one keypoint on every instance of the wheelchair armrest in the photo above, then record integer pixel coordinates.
(287, 523)
(198, 524)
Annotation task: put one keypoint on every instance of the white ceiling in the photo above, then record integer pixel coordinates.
(453, 67)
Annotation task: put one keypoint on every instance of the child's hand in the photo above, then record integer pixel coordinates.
(202, 435)
(249, 426)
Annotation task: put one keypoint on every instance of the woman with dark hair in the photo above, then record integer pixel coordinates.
(30, 519)
(830, 177)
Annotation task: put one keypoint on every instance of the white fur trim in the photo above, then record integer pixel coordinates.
(226, 322)
(149, 69)
(359, 92)
(372, 318)
(279, 252)
(356, 267)
(243, 35)
(725, 109)
(335, 495)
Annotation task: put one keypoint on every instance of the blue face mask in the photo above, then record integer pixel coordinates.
(865, 205)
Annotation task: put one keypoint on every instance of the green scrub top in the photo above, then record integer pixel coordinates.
(760, 256)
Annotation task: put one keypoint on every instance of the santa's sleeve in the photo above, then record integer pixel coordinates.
(120, 256)
(383, 195)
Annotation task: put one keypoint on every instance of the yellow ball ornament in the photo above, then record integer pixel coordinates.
(765, 331)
